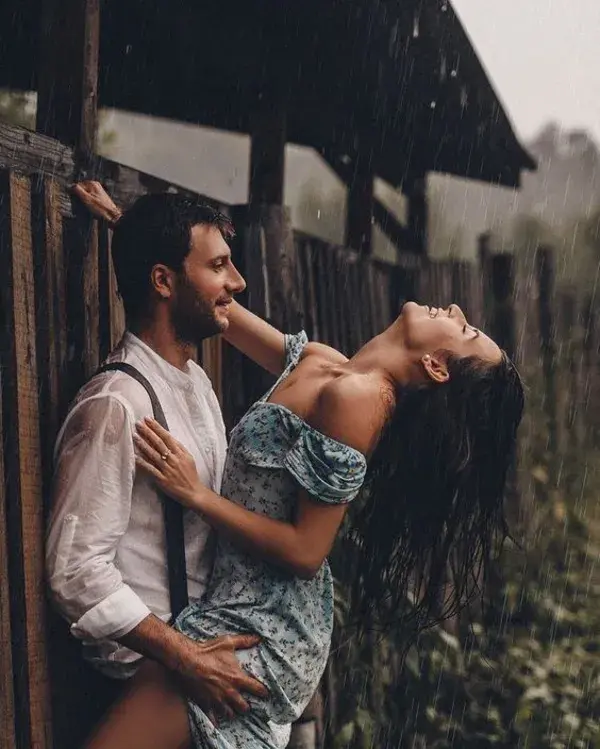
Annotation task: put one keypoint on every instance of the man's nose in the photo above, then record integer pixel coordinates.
(236, 283)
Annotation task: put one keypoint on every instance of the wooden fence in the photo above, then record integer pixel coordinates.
(61, 315)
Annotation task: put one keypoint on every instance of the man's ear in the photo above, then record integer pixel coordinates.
(162, 280)
(435, 368)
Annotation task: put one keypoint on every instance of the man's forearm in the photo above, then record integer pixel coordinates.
(158, 641)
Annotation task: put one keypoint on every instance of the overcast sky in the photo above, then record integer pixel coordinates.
(543, 57)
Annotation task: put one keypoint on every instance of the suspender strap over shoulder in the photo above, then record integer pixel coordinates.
(173, 512)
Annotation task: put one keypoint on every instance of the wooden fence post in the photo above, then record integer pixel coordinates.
(590, 368)
(23, 472)
(502, 290)
(573, 347)
(7, 711)
(484, 256)
(50, 309)
(545, 277)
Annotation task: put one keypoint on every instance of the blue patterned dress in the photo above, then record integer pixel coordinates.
(272, 452)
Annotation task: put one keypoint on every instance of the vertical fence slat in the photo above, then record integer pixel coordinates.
(104, 291)
(320, 274)
(91, 299)
(312, 291)
(545, 277)
(572, 336)
(369, 281)
(115, 305)
(212, 363)
(22, 451)
(50, 310)
(83, 299)
(7, 708)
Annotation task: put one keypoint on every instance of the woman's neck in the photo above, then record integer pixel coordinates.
(386, 357)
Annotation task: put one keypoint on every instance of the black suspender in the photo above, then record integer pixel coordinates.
(173, 512)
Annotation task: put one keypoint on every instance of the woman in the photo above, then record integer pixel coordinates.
(422, 419)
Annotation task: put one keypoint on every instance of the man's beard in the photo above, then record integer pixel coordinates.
(194, 318)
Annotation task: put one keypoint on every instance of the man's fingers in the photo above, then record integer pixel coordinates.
(236, 702)
(247, 683)
(242, 642)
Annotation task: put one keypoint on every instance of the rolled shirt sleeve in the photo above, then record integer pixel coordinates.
(91, 506)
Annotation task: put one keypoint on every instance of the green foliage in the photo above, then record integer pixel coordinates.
(527, 675)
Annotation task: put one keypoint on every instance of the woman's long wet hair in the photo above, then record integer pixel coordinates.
(432, 513)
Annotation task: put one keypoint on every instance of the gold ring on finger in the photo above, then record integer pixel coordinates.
(166, 454)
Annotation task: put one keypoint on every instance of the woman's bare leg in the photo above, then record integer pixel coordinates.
(151, 715)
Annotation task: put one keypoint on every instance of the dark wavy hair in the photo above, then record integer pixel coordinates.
(432, 512)
(157, 229)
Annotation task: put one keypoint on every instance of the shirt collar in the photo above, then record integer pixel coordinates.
(176, 377)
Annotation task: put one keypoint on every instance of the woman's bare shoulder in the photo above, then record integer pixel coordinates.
(352, 409)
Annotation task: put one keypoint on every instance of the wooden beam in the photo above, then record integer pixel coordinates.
(35, 154)
(416, 192)
(359, 211)
(68, 79)
(22, 451)
(267, 152)
(396, 232)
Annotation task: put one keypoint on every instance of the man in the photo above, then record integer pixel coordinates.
(106, 549)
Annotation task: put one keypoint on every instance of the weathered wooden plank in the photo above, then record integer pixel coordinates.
(380, 284)
(116, 309)
(300, 288)
(90, 342)
(331, 303)
(212, 363)
(7, 702)
(319, 273)
(267, 150)
(360, 282)
(68, 80)
(34, 153)
(589, 323)
(571, 336)
(83, 300)
(484, 254)
(40, 156)
(359, 212)
(341, 307)
(308, 260)
(24, 491)
(279, 262)
(50, 309)
(105, 288)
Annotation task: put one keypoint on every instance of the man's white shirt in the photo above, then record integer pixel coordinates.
(106, 549)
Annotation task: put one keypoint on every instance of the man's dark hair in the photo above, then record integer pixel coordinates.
(157, 229)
